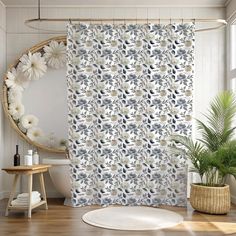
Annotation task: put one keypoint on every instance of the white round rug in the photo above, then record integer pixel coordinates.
(132, 218)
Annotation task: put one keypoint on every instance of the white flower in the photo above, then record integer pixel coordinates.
(29, 121)
(55, 54)
(16, 79)
(14, 95)
(34, 133)
(33, 65)
(24, 130)
(16, 109)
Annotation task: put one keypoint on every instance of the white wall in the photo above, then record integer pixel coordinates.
(2, 71)
(231, 17)
(209, 65)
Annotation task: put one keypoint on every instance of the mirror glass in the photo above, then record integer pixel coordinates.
(47, 100)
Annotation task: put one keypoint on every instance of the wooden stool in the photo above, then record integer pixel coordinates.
(27, 170)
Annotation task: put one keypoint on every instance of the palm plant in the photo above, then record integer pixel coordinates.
(218, 128)
(213, 155)
(224, 161)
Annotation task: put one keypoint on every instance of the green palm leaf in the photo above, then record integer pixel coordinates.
(213, 155)
(218, 127)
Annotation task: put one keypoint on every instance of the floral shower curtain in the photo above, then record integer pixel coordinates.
(129, 89)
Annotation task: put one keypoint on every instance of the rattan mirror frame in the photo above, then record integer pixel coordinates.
(36, 48)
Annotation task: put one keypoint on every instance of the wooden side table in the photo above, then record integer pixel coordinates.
(29, 171)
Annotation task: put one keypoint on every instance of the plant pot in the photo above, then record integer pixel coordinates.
(211, 200)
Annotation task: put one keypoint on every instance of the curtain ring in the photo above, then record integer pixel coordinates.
(70, 21)
(182, 21)
(194, 21)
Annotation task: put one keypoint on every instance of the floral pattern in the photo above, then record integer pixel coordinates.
(129, 89)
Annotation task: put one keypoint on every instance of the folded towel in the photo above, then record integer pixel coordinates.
(23, 195)
(20, 204)
(25, 200)
(26, 195)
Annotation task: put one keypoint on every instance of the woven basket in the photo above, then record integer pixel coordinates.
(212, 200)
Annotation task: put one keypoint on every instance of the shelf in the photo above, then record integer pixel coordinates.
(26, 170)
(26, 207)
(29, 171)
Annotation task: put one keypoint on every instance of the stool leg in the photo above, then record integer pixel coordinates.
(13, 190)
(30, 182)
(43, 189)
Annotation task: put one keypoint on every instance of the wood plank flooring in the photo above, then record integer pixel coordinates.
(66, 221)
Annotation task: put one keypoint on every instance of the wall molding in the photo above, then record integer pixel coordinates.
(115, 6)
(227, 2)
(4, 6)
(1, 3)
(232, 18)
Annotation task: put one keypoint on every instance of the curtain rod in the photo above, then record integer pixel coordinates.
(221, 22)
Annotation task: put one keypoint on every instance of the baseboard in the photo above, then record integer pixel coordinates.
(6, 194)
(53, 194)
(2, 195)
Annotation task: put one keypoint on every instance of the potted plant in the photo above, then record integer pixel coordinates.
(213, 156)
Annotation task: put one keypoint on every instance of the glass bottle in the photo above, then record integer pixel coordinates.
(17, 157)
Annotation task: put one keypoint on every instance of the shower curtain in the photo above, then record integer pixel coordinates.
(129, 89)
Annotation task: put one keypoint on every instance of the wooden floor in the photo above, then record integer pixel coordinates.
(66, 221)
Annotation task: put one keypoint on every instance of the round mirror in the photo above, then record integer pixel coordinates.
(35, 95)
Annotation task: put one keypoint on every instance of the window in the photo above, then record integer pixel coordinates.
(232, 57)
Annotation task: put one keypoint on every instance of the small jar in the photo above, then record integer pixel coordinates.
(28, 160)
(35, 158)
